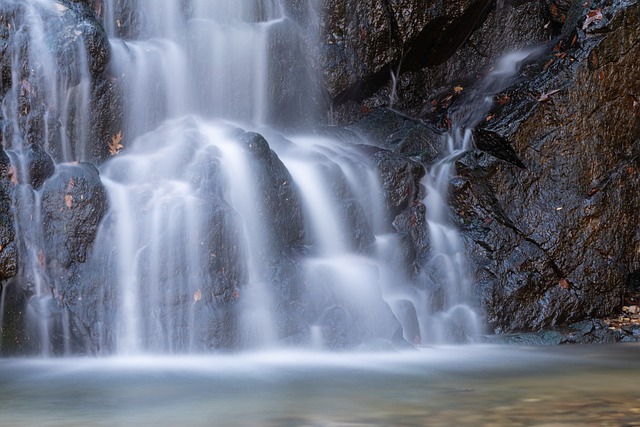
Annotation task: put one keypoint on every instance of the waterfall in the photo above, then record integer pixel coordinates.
(228, 222)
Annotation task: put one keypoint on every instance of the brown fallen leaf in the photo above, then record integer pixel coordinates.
(446, 101)
(592, 16)
(548, 64)
(68, 200)
(458, 89)
(547, 96)
(115, 147)
(503, 99)
(564, 284)
(197, 296)
(13, 176)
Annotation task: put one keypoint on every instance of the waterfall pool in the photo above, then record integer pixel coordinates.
(593, 385)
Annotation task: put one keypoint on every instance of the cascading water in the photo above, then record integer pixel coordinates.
(221, 232)
(455, 319)
(43, 106)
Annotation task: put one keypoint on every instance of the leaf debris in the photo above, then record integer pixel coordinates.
(115, 147)
(592, 16)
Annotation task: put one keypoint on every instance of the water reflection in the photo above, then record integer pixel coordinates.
(449, 386)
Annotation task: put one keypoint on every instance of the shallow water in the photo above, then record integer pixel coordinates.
(445, 386)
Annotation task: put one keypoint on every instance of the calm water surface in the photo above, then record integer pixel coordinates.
(445, 386)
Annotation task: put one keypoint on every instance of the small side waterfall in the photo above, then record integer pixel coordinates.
(454, 318)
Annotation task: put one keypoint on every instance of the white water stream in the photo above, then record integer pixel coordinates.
(197, 251)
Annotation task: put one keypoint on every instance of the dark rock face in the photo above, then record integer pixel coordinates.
(363, 39)
(547, 202)
(575, 206)
(8, 253)
(70, 61)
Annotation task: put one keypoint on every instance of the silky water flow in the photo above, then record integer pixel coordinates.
(222, 231)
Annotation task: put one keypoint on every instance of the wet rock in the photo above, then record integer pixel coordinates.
(581, 149)
(362, 40)
(73, 204)
(400, 177)
(406, 313)
(39, 164)
(8, 252)
(222, 239)
(280, 208)
(15, 337)
(296, 97)
(411, 224)
(8, 260)
(107, 118)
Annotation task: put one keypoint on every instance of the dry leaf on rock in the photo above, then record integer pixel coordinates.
(592, 16)
(115, 146)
